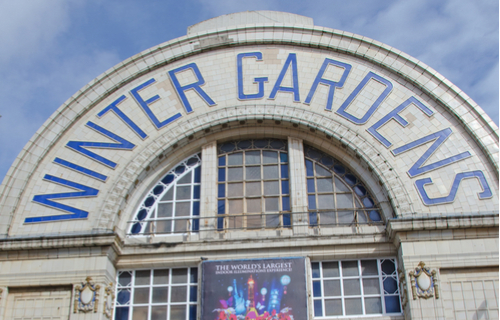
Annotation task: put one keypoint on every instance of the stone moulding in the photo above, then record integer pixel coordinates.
(424, 282)
(109, 300)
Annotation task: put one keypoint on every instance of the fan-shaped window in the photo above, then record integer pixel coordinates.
(335, 195)
(253, 184)
(173, 202)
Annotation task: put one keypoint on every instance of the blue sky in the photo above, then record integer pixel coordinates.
(50, 49)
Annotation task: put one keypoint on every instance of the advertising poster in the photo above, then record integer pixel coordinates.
(257, 289)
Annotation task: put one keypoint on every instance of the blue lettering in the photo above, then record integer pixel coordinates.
(292, 59)
(79, 146)
(330, 83)
(440, 137)
(88, 172)
(486, 193)
(260, 81)
(394, 114)
(145, 105)
(113, 107)
(45, 199)
(196, 86)
(341, 111)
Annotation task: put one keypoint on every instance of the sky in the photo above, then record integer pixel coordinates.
(49, 49)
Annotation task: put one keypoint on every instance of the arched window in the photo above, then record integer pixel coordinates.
(335, 195)
(173, 202)
(253, 184)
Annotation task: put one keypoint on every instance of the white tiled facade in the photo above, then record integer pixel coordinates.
(432, 168)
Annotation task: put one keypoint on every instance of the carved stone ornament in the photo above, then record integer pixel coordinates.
(86, 297)
(424, 283)
(109, 300)
(402, 288)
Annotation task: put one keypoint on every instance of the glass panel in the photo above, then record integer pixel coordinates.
(325, 185)
(221, 207)
(163, 226)
(285, 204)
(235, 222)
(346, 217)
(351, 287)
(161, 276)
(369, 267)
(142, 277)
(310, 186)
(317, 288)
(312, 201)
(235, 206)
(140, 313)
(253, 189)
(193, 293)
(235, 189)
(388, 267)
(349, 268)
(252, 173)
(325, 201)
(332, 288)
(123, 297)
(344, 200)
(178, 312)
(333, 307)
(271, 172)
(272, 204)
(353, 306)
(194, 275)
(159, 313)
(272, 220)
(362, 217)
(222, 175)
(272, 187)
(254, 221)
(124, 279)
(309, 168)
(235, 174)
(341, 186)
(179, 294)
(164, 210)
(373, 305)
(322, 172)
(182, 209)
(313, 218)
(392, 304)
(235, 159)
(197, 175)
(181, 225)
(371, 286)
(179, 275)
(254, 205)
(315, 270)
(285, 187)
(169, 195)
(252, 157)
(183, 192)
(270, 156)
(121, 313)
(284, 171)
(141, 295)
(185, 179)
(192, 312)
(160, 294)
(283, 157)
(222, 161)
(318, 308)
(390, 285)
(331, 269)
(221, 190)
(328, 218)
(196, 192)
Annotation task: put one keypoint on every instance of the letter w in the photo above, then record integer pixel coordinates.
(79, 146)
(46, 199)
(440, 137)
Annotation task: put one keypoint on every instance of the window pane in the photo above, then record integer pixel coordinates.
(140, 313)
(158, 312)
(309, 168)
(141, 295)
(160, 276)
(160, 294)
(331, 269)
(271, 172)
(392, 304)
(332, 288)
(183, 192)
(121, 313)
(124, 279)
(328, 218)
(315, 270)
(252, 157)
(252, 173)
(182, 209)
(181, 225)
(325, 185)
(272, 204)
(270, 156)
(344, 200)
(235, 174)
(373, 305)
(341, 187)
(353, 306)
(371, 286)
(254, 221)
(285, 189)
(369, 267)
(164, 226)
(164, 210)
(142, 277)
(318, 308)
(272, 220)
(235, 222)
(235, 206)
(325, 201)
(333, 307)
(178, 312)
(235, 159)
(179, 294)
(272, 187)
(253, 189)
(351, 287)
(254, 205)
(235, 189)
(169, 195)
(310, 186)
(349, 268)
(322, 172)
(179, 275)
(317, 288)
(185, 179)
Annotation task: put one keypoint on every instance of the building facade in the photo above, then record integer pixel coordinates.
(259, 167)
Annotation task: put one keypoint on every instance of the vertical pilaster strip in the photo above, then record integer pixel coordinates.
(208, 205)
(298, 186)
